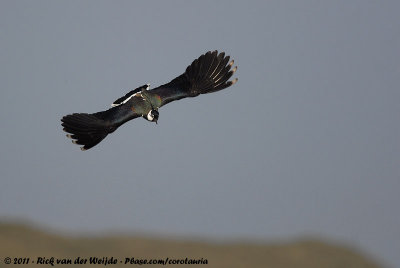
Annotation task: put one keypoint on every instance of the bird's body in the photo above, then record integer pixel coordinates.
(209, 73)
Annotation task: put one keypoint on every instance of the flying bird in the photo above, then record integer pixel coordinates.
(209, 73)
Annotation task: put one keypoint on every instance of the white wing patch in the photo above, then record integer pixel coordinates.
(125, 100)
(127, 97)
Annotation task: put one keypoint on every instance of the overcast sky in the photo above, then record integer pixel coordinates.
(305, 144)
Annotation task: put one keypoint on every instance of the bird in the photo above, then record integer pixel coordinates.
(208, 73)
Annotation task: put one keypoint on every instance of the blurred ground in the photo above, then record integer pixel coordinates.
(19, 241)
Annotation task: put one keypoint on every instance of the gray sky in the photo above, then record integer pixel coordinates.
(306, 143)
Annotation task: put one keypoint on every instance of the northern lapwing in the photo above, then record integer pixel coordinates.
(209, 73)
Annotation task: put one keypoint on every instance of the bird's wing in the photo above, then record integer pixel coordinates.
(90, 129)
(129, 95)
(209, 73)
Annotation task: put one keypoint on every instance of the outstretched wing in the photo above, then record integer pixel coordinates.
(209, 73)
(90, 129)
(129, 95)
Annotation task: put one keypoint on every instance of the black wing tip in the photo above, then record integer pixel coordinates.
(211, 72)
(84, 129)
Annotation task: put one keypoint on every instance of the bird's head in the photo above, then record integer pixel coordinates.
(153, 115)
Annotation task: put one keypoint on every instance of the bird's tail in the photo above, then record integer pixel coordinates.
(210, 73)
(86, 129)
